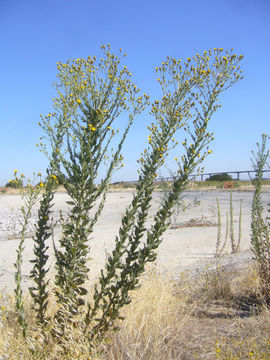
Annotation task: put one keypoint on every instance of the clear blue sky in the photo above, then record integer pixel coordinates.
(35, 35)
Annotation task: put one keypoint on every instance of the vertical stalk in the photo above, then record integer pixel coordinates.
(231, 225)
(239, 228)
(218, 242)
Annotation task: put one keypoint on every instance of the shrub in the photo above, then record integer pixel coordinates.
(260, 227)
(91, 95)
(220, 177)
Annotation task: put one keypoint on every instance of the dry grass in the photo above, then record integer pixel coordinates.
(218, 315)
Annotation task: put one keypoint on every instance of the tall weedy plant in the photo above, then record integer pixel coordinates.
(235, 247)
(260, 236)
(30, 195)
(91, 95)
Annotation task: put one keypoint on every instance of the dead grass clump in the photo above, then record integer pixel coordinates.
(153, 325)
(216, 315)
(251, 340)
(152, 329)
(209, 282)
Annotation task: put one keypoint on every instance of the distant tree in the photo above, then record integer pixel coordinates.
(220, 177)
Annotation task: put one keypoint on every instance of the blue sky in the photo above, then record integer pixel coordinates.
(35, 35)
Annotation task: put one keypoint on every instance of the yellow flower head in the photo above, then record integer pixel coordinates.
(79, 101)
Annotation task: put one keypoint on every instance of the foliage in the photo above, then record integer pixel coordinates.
(260, 239)
(235, 247)
(91, 95)
(219, 234)
(15, 184)
(220, 177)
(30, 195)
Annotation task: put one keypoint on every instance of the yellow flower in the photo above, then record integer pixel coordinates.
(79, 101)
(15, 171)
(175, 158)
(41, 184)
(93, 128)
(209, 151)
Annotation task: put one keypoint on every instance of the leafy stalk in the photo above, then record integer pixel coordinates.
(30, 196)
(129, 257)
(38, 273)
(260, 236)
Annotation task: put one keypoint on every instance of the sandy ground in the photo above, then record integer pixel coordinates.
(182, 245)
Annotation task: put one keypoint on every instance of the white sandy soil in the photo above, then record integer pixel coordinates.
(181, 246)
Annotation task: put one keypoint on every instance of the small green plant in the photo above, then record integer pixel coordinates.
(91, 95)
(219, 233)
(260, 237)
(229, 229)
(239, 227)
